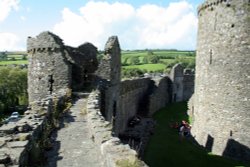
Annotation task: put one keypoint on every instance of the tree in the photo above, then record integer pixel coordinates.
(125, 62)
(145, 60)
(13, 88)
(24, 57)
(153, 59)
(3, 56)
(150, 52)
(134, 60)
(132, 72)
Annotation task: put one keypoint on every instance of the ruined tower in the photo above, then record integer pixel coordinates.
(55, 67)
(49, 70)
(222, 84)
(109, 76)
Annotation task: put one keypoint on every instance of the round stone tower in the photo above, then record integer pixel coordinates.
(222, 85)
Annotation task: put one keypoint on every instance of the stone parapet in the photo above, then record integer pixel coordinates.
(210, 4)
(114, 152)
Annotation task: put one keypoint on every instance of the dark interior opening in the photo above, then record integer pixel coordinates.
(51, 81)
(174, 100)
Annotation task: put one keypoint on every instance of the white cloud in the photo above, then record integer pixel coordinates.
(6, 6)
(94, 24)
(23, 18)
(149, 26)
(9, 41)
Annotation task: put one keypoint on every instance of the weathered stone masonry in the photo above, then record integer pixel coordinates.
(221, 106)
(23, 142)
(182, 83)
(55, 70)
(54, 66)
(121, 101)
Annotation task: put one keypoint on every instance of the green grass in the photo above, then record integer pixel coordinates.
(168, 60)
(167, 149)
(13, 62)
(15, 56)
(149, 67)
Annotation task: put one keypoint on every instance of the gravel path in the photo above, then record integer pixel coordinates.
(72, 144)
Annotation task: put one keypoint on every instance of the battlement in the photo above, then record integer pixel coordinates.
(44, 42)
(43, 50)
(210, 4)
(135, 84)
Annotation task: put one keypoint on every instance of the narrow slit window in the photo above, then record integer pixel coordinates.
(210, 56)
(51, 81)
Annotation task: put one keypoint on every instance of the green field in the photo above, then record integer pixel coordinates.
(164, 53)
(17, 57)
(166, 59)
(149, 67)
(8, 58)
(166, 148)
(13, 62)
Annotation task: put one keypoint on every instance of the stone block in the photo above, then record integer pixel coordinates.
(23, 128)
(9, 128)
(17, 144)
(4, 158)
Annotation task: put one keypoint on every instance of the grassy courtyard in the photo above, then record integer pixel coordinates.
(167, 149)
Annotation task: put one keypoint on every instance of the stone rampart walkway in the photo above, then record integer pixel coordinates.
(72, 144)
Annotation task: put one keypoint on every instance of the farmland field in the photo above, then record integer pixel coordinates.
(8, 58)
(149, 67)
(13, 62)
(156, 60)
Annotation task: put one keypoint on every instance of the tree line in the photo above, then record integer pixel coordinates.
(4, 56)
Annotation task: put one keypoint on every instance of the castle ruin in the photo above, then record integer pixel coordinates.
(55, 67)
(57, 72)
(220, 105)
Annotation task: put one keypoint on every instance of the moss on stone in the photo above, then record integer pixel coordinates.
(128, 163)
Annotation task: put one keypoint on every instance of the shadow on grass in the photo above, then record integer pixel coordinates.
(166, 148)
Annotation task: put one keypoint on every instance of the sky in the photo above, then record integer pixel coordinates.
(139, 24)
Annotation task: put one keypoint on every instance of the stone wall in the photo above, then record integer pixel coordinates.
(110, 66)
(182, 83)
(114, 152)
(222, 83)
(84, 65)
(108, 78)
(133, 100)
(176, 75)
(188, 84)
(22, 143)
(141, 97)
(161, 96)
